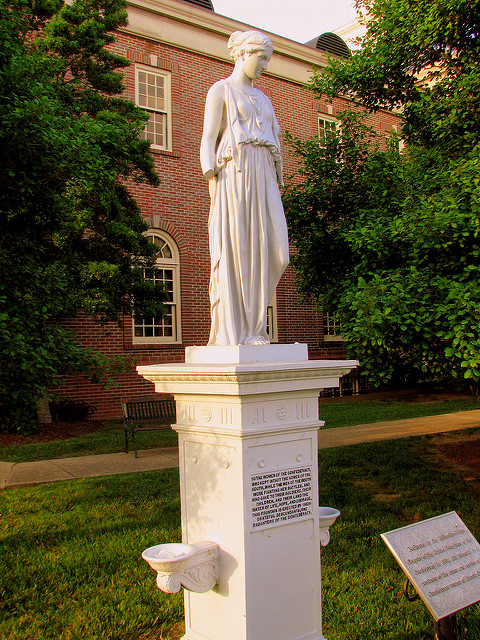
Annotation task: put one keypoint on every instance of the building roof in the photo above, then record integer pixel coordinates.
(186, 25)
(330, 43)
(203, 4)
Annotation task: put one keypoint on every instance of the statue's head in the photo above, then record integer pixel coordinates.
(242, 42)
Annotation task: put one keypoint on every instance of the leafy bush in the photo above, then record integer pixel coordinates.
(67, 410)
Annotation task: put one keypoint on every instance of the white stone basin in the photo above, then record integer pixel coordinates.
(168, 557)
(193, 566)
(327, 516)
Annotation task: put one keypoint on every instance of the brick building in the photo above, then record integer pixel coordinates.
(178, 50)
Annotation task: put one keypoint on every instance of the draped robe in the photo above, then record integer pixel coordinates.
(247, 228)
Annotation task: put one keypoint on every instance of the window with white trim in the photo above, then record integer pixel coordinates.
(332, 328)
(400, 141)
(167, 329)
(326, 126)
(272, 330)
(153, 94)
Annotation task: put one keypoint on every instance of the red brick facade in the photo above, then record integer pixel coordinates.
(180, 206)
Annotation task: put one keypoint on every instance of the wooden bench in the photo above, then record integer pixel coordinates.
(141, 414)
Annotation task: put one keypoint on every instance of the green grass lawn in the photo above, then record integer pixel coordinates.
(335, 413)
(359, 411)
(70, 565)
(111, 439)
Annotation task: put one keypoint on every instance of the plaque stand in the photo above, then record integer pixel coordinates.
(248, 450)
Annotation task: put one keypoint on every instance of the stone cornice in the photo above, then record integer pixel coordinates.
(185, 26)
(224, 380)
(215, 377)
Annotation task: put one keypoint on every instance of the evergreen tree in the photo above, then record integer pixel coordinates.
(70, 232)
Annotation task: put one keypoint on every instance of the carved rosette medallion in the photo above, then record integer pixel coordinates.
(207, 414)
(282, 412)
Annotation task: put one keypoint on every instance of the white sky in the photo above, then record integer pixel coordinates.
(299, 20)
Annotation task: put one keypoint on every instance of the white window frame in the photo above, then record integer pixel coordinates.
(401, 141)
(332, 125)
(173, 264)
(272, 326)
(166, 112)
(331, 328)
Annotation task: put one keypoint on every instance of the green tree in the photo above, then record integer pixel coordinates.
(420, 56)
(387, 240)
(70, 232)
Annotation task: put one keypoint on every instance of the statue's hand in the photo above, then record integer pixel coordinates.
(211, 173)
(279, 170)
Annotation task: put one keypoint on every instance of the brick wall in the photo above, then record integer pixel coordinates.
(180, 206)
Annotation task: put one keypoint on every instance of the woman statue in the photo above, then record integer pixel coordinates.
(240, 157)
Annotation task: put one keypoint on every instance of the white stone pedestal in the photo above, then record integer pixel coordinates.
(249, 482)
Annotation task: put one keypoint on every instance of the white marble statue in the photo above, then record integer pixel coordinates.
(240, 157)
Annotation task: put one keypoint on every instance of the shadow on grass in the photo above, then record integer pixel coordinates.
(70, 560)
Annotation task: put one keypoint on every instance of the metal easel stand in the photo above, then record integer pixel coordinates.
(445, 628)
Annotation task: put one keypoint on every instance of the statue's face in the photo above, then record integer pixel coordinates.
(255, 63)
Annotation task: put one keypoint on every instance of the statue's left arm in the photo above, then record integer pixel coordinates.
(212, 127)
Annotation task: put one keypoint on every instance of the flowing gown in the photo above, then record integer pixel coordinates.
(247, 228)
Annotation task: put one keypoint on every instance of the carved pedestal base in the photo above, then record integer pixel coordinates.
(249, 482)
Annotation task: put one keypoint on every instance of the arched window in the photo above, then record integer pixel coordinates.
(153, 330)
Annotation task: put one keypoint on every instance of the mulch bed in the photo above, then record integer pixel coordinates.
(53, 431)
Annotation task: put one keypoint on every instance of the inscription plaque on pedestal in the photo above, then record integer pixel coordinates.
(441, 559)
(281, 496)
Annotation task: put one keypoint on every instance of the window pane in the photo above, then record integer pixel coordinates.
(269, 321)
(142, 98)
(166, 251)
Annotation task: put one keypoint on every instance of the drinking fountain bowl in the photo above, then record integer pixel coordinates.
(326, 518)
(171, 556)
(192, 566)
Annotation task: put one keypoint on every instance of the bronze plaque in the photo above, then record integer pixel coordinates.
(441, 559)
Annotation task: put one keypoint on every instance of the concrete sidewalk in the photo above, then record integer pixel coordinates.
(23, 474)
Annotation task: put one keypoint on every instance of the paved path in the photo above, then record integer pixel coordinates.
(24, 474)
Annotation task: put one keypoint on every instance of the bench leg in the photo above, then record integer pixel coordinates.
(133, 442)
